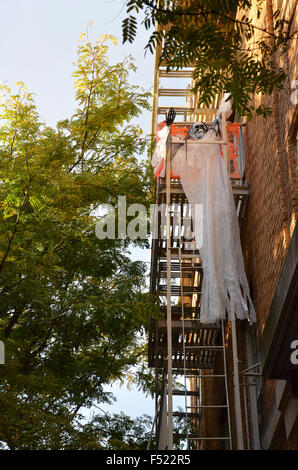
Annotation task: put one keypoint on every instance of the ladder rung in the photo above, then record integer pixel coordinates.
(213, 376)
(174, 92)
(208, 438)
(176, 73)
(189, 393)
(177, 247)
(198, 142)
(187, 267)
(181, 372)
(189, 324)
(208, 406)
(198, 437)
(204, 347)
(178, 345)
(186, 123)
(184, 110)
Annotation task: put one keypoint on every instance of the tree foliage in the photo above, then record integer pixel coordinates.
(120, 432)
(71, 305)
(218, 43)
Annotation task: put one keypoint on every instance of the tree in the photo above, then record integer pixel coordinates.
(120, 432)
(106, 431)
(71, 305)
(117, 432)
(218, 42)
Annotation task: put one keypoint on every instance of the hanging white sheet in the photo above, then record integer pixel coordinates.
(205, 181)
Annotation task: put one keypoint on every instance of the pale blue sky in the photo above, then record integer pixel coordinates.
(38, 45)
(38, 40)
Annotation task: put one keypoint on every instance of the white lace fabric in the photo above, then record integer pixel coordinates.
(205, 181)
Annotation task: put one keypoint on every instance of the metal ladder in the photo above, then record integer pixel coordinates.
(196, 409)
(193, 111)
(210, 344)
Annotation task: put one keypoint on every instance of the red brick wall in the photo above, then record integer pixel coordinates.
(272, 211)
(267, 141)
(271, 215)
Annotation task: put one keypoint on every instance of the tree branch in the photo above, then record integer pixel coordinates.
(204, 13)
(10, 243)
(13, 320)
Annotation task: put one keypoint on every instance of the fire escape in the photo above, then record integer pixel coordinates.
(182, 351)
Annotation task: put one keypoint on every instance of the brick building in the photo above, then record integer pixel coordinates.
(269, 236)
(270, 244)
